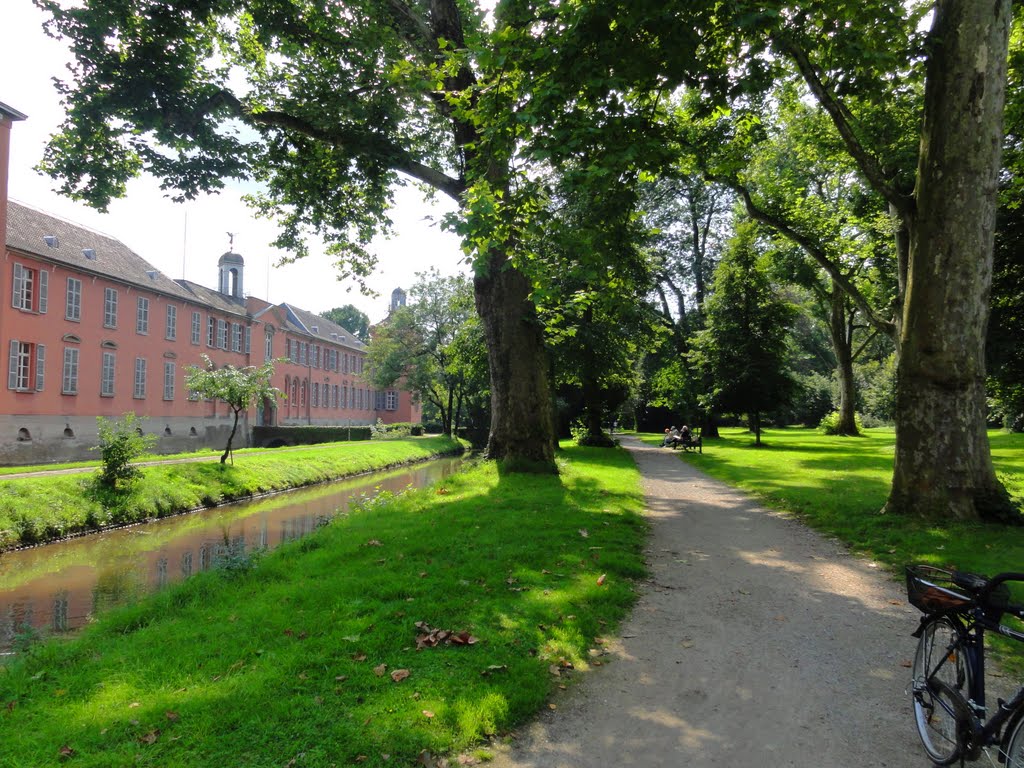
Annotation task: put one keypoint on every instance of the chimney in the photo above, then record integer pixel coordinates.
(8, 116)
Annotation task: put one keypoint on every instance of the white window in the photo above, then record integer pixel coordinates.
(197, 327)
(335, 395)
(109, 308)
(303, 352)
(26, 366)
(69, 384)
(142, 315)
(211, 330)
(248, 340)
(359, 400)
(29, 289)
(172, 323)
(268, 346)
(73, 309)
(316, 394)
(344, 358)
(236, 337)
(222, 334)
(344, 395)
(168, 381)
(107, 375)
(140, 378)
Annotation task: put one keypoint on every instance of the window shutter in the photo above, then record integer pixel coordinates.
(44, 292)
(19, 286)
(40, 366)
(12, 369)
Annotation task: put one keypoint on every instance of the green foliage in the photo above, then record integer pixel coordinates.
(743, 350)
(352, 319)
(240, 388)
(120, 443)
(830, 424)
(255, 667)
(382, 431)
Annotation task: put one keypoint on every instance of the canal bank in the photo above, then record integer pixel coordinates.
(59, 587)
(50, 507)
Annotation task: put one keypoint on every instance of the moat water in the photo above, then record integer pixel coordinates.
(59, 587)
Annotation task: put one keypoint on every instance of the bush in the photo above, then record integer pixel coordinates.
(121, 442)
(830, 424)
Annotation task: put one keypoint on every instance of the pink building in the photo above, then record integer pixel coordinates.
(91, 329)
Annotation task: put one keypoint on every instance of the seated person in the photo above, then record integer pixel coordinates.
(671, 437)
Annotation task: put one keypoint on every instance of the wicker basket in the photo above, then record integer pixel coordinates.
(932, 590)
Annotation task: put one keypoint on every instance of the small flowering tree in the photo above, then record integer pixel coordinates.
(240, 388)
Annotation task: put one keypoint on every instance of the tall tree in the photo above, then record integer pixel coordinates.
(743, 348)
(425, 344)
(352, 319)
(327, 105)
(855, 59)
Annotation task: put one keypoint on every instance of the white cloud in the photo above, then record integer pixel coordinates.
(155, 228)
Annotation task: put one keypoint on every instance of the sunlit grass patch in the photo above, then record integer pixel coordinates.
(310, 655)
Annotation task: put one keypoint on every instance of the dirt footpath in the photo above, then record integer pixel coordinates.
(756, 642)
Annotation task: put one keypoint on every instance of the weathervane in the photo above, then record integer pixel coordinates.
(231, 241)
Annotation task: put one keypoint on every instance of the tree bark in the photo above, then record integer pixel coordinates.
(522, 427)
(943, 466)
(842, 345)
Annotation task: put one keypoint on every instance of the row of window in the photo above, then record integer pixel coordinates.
(338, 396)
(30, 293)
(28, 363)
(27, 371)
(316, 356)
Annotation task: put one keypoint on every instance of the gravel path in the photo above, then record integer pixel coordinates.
(756, 642)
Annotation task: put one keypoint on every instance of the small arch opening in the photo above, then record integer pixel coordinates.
(68, 431)
(192, 432)
(167, 431)
(23, 435)
(138, 431)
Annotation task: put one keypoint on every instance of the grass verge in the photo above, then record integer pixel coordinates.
(48, 507)
(308, 656)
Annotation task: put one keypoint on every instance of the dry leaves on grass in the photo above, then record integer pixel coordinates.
(430, 637)
(399, 675)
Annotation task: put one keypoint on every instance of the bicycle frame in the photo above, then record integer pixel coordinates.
(984, 732)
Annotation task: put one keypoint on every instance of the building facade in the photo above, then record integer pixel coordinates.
(91, 329)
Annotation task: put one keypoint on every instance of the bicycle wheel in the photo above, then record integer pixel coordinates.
(936, 703)
(1013, 740)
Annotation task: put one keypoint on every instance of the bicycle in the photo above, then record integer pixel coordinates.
(948, 679)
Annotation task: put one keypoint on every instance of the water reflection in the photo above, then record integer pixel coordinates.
(58, 587)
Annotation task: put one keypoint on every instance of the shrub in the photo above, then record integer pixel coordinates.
(121, 442)
(829, 425)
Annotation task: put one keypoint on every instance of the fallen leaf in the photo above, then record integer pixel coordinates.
(341, 678)
(351, 638)
(133, 705)
(380, 669)
(361, 758)
(151, 737)
(66, 752)
(552, 706)
(554, 670)
(374, 543)
(906, 664)
(428, 714)
(584, 533)
(172, 716)
(425, 759)
(442, 491)
(399, 675)
(423, 574)
(468, 760)
(359, 657)
(601, 578)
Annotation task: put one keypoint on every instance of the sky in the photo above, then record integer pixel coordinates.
(186, 239)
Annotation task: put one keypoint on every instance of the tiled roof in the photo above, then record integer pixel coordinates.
(324, 327)
(27, 227)
(212, 298)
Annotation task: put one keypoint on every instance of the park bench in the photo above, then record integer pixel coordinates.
(689, 442)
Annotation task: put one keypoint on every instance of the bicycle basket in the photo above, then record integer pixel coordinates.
(931, 590)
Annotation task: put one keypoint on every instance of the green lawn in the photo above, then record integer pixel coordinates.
(47, 507)
(300, 658)
(839, 485)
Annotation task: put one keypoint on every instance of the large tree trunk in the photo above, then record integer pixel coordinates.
(522, 428)
(842, 345)
(943, 466)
